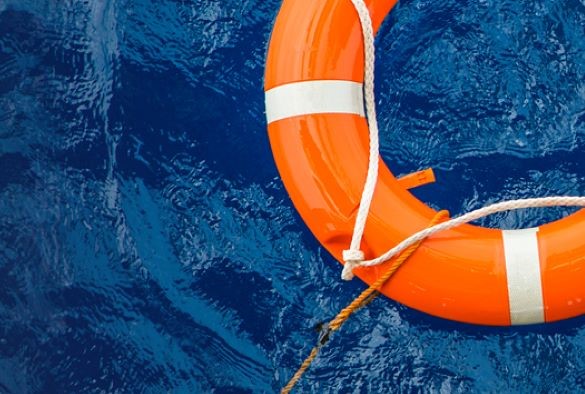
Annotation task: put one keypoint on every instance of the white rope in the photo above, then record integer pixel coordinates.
(354, 257)
(466, 218)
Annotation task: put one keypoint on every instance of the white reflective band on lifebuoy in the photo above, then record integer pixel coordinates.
(314, 97)
(523, 272)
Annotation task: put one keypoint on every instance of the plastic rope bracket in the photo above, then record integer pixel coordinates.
(418, 178)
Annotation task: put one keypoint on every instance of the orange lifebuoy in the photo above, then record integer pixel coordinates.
(319, 138)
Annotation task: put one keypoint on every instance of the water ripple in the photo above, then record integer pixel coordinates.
(472, 85)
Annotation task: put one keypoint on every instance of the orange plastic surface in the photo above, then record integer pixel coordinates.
(416, 179)
(459, 274)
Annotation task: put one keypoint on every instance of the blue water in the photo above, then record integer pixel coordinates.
(147, 243)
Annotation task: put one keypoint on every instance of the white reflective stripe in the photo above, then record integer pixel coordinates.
(523, 270)
(314, 97)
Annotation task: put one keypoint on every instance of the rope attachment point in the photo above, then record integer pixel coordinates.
(352, 259)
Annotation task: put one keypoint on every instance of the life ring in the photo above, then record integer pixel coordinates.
(319, 139)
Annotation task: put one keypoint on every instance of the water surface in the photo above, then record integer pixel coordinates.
(147, 243)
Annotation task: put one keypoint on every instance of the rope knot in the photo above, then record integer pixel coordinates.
(352, 258)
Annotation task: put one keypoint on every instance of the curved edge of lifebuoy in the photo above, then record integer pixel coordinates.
(318, 136)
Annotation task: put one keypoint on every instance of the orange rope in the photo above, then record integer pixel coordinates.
(360, 301)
